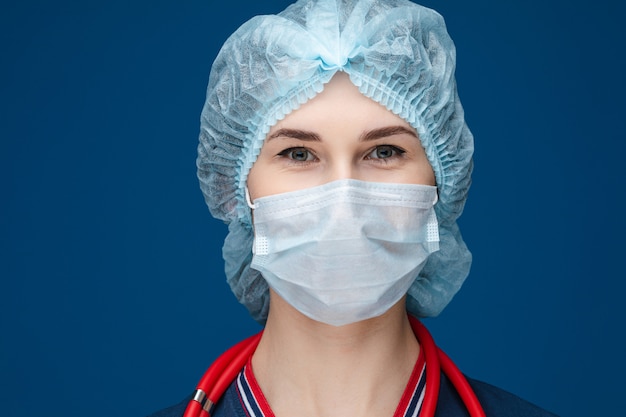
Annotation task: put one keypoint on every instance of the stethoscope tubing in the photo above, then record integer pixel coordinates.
(433, 371)
(437, 361)
(224, 370)
(218, 377)
(461, 385)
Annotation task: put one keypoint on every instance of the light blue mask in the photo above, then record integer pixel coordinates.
(345, 251)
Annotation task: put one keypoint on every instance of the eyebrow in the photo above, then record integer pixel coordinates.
(295, 134)
(307, 136)
(383, 132)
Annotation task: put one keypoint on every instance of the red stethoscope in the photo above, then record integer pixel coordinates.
(226, 368)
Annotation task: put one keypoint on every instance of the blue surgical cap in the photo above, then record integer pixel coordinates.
(397, 53)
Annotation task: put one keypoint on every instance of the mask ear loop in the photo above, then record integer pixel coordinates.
(250, 204)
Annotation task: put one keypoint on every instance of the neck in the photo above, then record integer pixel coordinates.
(306, 367)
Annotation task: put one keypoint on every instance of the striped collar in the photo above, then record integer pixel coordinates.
(255, 404)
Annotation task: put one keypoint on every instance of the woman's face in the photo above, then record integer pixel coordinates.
(339, 134)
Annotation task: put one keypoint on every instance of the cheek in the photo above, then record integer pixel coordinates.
(265, 179)
(424, 172)
(419, 174)
(423, 176)
(255, 183)
(428, 176)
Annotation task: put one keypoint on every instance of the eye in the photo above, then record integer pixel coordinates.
(298, 154)
(385, 152)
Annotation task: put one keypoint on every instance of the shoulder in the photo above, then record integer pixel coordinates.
(228, 406)
(174, 411)
(495, 402)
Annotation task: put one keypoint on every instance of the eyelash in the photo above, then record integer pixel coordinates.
(310, 156)
(288, 153)
(396, 153)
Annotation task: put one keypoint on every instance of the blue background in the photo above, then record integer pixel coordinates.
(113, 299)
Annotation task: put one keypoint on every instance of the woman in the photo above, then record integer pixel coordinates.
(333, 143)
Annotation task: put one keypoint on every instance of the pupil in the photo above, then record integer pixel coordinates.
(299, 155)
(383, 152)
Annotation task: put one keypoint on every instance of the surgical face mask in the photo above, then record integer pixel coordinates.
(345, 251)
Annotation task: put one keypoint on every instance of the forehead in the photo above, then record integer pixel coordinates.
(340, 106)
